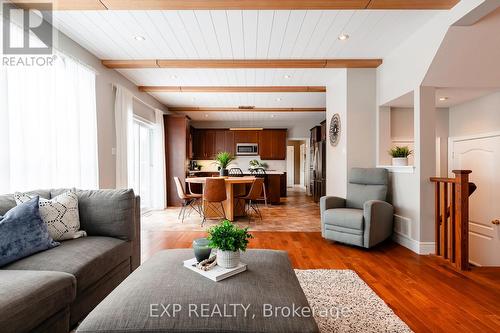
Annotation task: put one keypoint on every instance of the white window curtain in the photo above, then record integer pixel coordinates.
(124, 122)
(159, 199)
(48, 127)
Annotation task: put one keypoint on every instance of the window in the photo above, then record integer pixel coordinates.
(143, 161)
(48, 127)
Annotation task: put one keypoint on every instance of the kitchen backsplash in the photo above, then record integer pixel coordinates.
(243, 162)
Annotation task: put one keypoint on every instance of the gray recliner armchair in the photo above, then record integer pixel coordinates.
(364, 218)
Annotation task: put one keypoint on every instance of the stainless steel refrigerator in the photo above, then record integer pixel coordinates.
(318, 170)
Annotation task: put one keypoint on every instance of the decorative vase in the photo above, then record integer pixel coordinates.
(400, 161)
(228, 259)
(223, 172)
(201, 249)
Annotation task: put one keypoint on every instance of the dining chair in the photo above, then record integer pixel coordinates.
(191, 200)
(214, 193)
(261, 173)
(235, 172)
(251, 199)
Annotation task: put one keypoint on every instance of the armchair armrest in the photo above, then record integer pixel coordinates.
(328, 202)
(378, 216)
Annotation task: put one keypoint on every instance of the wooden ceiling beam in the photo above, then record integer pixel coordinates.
(246, 4)
(241, 4)
(414, 4)
(238, 109)
(244, 63)
(233, 89)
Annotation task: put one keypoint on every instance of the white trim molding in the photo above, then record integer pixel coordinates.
(422, 248)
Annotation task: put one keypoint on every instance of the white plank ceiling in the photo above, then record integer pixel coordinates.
(237, 34)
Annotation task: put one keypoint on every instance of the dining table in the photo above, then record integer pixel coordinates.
(235, 186)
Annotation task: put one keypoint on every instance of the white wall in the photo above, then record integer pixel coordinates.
(105, 80)
(352, 94)
(406, 66)
(478, 116)
(336, 157)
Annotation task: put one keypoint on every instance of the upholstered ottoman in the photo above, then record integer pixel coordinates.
(164, 296)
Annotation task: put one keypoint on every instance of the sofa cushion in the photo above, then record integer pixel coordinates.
(23, 232)
(59, 213)
(88, 259)
(344, 217)
(106, 212)
(28, 298)
(7, 201)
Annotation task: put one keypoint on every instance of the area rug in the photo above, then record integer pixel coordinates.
(343, 302)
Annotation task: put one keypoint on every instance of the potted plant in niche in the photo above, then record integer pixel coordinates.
(400, 155)
(222, 160)
(229, 240)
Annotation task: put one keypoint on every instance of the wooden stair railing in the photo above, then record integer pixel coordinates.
(452, 217)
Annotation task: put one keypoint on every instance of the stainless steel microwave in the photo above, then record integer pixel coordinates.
(247, 149)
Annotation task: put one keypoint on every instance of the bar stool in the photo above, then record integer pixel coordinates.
(261, 173)
(191, 200)
(235, 172)
(251, 199)
(214, 193)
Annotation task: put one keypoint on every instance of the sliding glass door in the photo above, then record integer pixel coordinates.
(143, 162)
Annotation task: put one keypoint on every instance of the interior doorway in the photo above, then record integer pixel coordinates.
(296, 164)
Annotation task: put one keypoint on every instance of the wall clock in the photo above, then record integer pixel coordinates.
(335, 129)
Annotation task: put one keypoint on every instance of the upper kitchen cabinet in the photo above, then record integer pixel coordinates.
(272, 145)
(246, 136)
(207, 143)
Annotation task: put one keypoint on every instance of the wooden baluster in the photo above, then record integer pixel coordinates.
(462, 218)
(444, 224)
(452, 245)
(437, 217)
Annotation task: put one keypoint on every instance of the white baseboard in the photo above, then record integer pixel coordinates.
(414, 245)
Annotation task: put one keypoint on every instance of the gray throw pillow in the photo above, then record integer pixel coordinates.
(23, 232)
(59, 213)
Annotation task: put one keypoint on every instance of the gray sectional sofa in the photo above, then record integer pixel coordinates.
(51, 291)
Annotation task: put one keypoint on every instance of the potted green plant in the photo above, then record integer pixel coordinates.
(229, 240)
(400, 155)
(222, 160)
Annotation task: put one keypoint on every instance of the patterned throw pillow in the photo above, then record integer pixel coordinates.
(59, 213)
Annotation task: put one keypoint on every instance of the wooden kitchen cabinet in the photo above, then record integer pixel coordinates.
(272, 145)
(246, 136)
(229, 144)
(209, 144)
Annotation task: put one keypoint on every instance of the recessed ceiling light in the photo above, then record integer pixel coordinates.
(442, 99)
(173, 76)
(343, 36)
(287, 76)
(206, 115)
(193, 98)
(140, 38)
(272, 116)
(278, 99)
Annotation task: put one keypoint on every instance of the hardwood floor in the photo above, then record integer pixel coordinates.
(423, 291)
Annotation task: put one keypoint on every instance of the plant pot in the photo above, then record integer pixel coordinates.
(228, 259)
(223, 172)
(400, 161)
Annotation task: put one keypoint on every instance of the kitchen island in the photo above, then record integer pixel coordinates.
(275, 182)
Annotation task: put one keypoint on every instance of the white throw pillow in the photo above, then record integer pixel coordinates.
(59, 213)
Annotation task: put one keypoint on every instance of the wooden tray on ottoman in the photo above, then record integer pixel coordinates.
(163, 296)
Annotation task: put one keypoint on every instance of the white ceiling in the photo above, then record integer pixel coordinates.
(257, 117)
(455, 96)
(273, 100)
(229, 77)
(236, 34)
